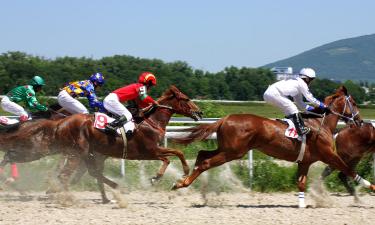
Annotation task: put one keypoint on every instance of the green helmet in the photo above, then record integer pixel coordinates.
(37, 81)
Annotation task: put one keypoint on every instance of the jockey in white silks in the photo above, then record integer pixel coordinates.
(277, 95)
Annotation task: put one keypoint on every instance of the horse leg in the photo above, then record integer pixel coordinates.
(82, 169)
(70, 166)
(205, 160)
(303, 169)
(344, 180)
(95, 169)
(3, 163)
(171, 152)
(334, 161)
(326, 172)
(161, 170)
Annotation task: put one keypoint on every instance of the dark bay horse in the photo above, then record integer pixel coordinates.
(352, 143)
(76, 137)
(238, 133)
(54, 112)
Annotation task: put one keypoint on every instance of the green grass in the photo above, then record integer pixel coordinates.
(266, 110)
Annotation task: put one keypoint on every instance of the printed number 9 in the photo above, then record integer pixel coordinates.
(101, 121)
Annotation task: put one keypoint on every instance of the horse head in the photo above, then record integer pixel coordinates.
(180, 103)
(343, 105)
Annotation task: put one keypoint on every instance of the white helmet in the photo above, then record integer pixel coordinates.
(307, 72)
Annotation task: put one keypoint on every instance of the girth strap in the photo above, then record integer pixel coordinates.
(302, 150)
(125, 140)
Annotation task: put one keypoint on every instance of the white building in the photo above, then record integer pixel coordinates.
(283, 73)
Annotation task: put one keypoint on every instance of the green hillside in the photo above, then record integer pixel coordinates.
(347, 59)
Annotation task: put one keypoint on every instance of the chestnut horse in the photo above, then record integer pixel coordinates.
(76, 137)
(352, 143)
(238, 133)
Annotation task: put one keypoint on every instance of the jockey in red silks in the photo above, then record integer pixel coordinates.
(137, 92)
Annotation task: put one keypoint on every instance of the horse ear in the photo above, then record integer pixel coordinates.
(342, 89)
(173, 88)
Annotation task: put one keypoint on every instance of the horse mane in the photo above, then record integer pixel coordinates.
(339, 92)
(172, 91)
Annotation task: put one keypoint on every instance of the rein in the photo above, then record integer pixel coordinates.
(164, 109)
(58, 113)
(342, 115)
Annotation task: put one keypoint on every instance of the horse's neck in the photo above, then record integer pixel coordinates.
(161, 117)
(330, 122)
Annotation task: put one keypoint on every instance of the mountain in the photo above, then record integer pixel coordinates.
(346, 59)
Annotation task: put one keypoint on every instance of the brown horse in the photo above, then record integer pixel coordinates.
(238, 133)
(54, 113)
(352, 143)
(76, 137)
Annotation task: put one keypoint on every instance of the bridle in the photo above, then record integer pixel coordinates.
(353, 112)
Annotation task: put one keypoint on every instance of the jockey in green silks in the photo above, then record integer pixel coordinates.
(24, 94)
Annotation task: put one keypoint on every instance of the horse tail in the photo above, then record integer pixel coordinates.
(199, 133)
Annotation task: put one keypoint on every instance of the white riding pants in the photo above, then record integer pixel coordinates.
(273, 97)
(12, 107)
(71, 104)
(112, 104)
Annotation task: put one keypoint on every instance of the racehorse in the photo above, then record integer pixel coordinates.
(54, 112)
(76, 137)
(352, 143)
(238, 133)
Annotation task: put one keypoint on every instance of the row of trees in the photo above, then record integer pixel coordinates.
(16, 68)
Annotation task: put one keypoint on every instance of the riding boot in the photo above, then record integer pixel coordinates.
(299, 124)
(112, 126)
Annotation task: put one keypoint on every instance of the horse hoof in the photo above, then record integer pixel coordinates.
(106, 201)
(154, 180)
(175, 186)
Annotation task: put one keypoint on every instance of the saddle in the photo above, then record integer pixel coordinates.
(8, 124)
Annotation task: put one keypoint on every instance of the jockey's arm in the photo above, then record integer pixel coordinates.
(309, 97)
(89, 91)
(298, 99)
(145, 98)
(33, 103)
(94, 102)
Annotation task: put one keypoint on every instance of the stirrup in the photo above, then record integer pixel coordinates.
(110, 129)
(305, 130)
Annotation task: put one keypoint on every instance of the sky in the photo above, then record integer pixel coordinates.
(207, 34)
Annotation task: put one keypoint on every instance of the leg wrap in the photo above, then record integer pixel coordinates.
(362, 182)
(301, 200)
(14, 170)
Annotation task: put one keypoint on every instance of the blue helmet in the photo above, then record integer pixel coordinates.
(97, 78)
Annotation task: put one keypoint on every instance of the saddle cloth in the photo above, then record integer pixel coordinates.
(101, 120)
(291, 131)
(8, 121)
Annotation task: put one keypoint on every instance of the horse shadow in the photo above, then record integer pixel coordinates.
(244, 206)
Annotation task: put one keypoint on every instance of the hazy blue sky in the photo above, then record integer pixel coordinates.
(208, 34)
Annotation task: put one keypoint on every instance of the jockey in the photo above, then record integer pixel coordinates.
(277, 95)
(26, 94)
(135, 91)
(68, 94)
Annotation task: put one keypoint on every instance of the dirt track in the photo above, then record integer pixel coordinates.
(183, 208)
